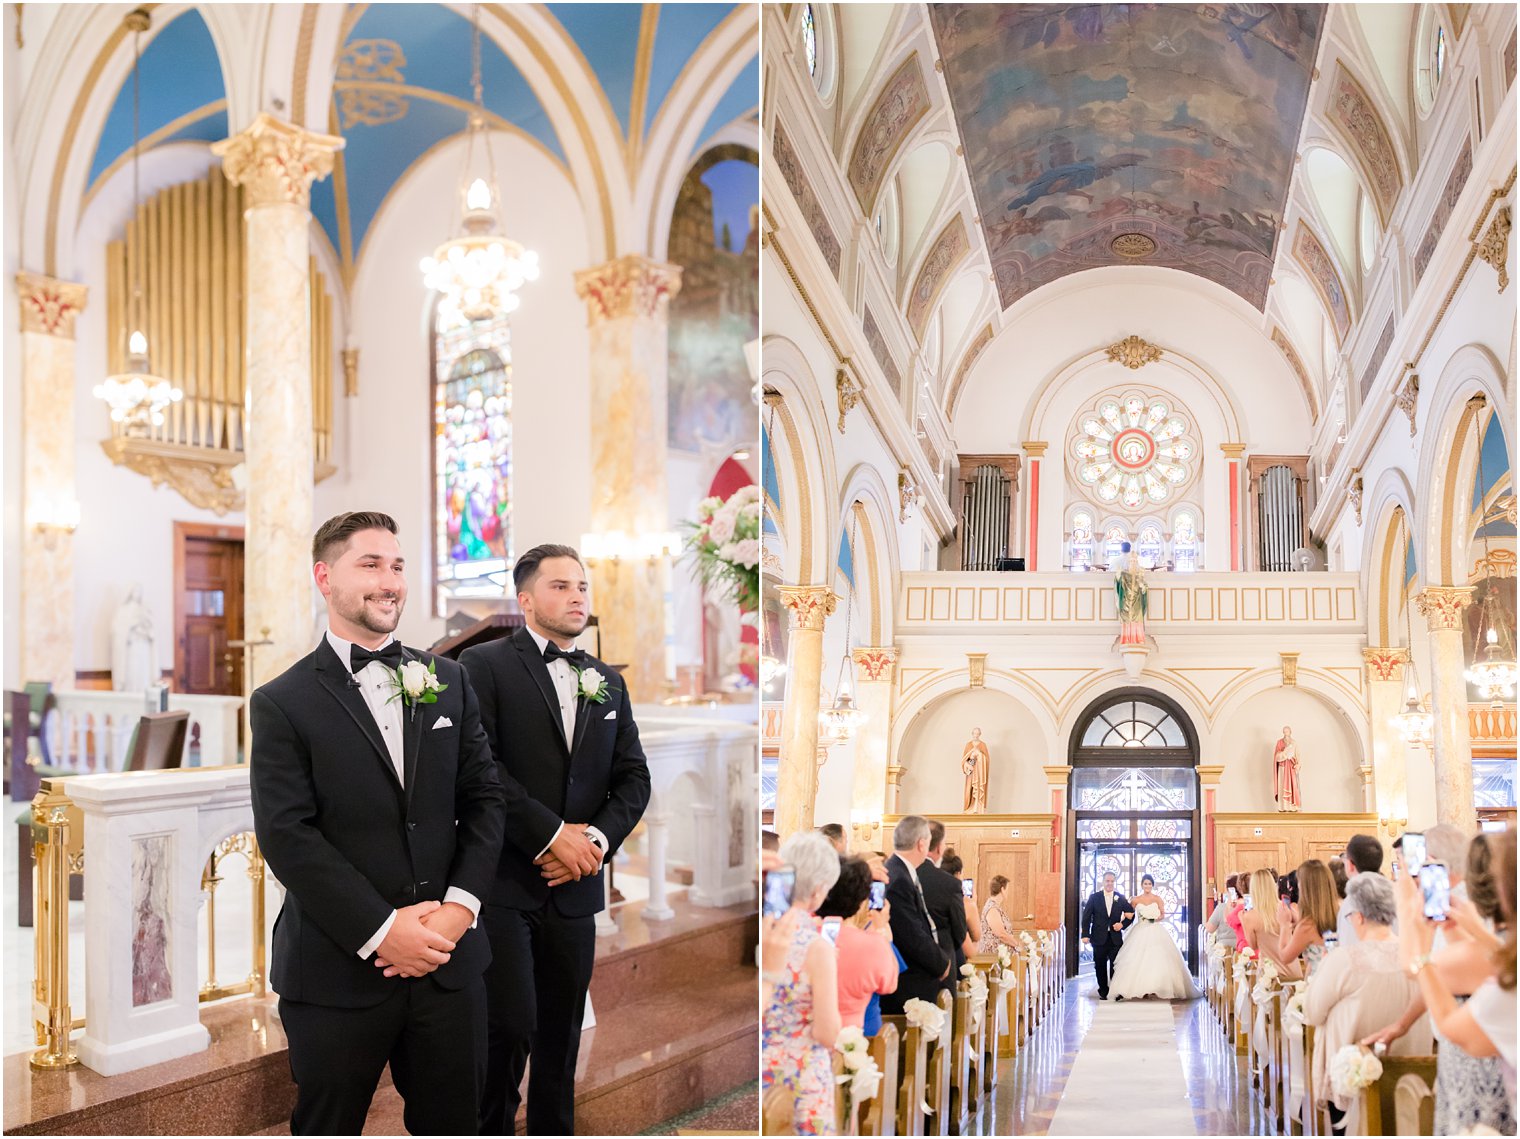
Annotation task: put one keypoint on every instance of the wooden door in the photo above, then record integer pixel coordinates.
(1019, 863)
(1251, 855)
(208, 609)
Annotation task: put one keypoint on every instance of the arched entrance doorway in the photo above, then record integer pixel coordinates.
(1133, 809)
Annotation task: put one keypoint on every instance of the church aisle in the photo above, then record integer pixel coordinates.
(1128, 1063)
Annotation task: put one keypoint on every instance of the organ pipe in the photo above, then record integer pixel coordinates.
(986, 509)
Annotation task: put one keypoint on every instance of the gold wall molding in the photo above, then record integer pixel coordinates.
(1133, 352)
(1408, 400)
(1289, 669)
(48, 305)
(848, 393)
(350, 371)
(277, 162)
(1494, 247)
(875, 664)
(976, 669)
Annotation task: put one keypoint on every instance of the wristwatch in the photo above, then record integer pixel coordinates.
(594, 839)
(1417, 964)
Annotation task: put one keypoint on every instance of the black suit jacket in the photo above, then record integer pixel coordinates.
(599, 777)
(926, 958)
(1097, 921)
(947, 907)
(348, 843)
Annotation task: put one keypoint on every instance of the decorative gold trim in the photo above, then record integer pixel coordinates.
(638, 100)
(849, 393)
(630, 286)
(202, 475)
(1035, 449)
(1289, 669)
(49, 306)
(810, 605)
(1133, 352)
(875, 663)
(1494, 248)
(976, 670)
(1442, 606)
(276, 162)
(1354, 493)
(1384, 663)
(190, 118)
(350, 371)
(300, 76)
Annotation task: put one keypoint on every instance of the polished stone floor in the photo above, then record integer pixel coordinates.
(1031, 1086)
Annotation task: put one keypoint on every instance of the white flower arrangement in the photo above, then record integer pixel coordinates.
(861, 1076)
(1004, 956)
(725, 541)
(927, 1018)
(978, 985)
(1293, 1009)
(1353, 1068)
(1242, 970)
(968, 970)
(1218, 951)
(1045, 939)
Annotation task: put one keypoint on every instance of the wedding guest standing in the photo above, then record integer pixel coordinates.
(913, 931)
(560, 724)
(378, 808)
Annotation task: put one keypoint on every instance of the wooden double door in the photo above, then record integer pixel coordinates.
(208, 609)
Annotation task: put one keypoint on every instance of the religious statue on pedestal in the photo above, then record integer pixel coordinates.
(1129, 583)
(975, 760)
(134, 661)
(1285, 763)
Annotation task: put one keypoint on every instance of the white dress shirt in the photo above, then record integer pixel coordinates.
(377, 686)
(1108, 903)
(919, 886)
(563, 674)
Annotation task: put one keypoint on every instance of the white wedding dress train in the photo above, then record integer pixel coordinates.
(1149, 965)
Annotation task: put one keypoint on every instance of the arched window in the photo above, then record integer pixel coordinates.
(1113, 545)
(1080, 557)
(1430, 54)
(887, 223)
(810, 39)
(472, 459)
(1149, 546)
(1186, 554)
(1367, 232)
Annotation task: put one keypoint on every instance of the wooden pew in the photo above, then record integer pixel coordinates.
(1403, 1100)
(963, 1092)
(938, 1076)
(878, 1116)
(913, 1067)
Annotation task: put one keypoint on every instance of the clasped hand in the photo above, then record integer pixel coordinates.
(422, 938)
(570, 857)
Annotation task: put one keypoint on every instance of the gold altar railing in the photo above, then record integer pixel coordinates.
(59, 854)
(186, 249)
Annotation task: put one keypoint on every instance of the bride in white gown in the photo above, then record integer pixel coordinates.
(1149, 965)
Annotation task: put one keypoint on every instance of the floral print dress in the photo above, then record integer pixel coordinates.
(792, 1059)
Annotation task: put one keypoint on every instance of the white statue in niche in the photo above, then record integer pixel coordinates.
(134, 659)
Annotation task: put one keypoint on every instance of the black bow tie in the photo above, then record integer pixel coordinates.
(359, 656)
(576, 657)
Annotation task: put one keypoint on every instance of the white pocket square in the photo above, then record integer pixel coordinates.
(612, 715)
(442, 722)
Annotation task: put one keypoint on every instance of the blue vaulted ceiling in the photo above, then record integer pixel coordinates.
(403, 87)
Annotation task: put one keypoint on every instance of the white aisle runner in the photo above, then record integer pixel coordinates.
(1127, 1078)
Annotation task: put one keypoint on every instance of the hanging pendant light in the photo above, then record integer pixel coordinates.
(478, 273)
(137, 398)
(1414, 723)
(1493, 672)
(842, 719)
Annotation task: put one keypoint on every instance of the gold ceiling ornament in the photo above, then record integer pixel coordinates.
(1133, 246)
(850, 392)
(1289, 669)
(1408, 400)
(363, 68)
(907, 493)
(1133, 352)
(1494, 248)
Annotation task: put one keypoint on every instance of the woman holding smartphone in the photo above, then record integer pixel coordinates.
(867, 964)
(952, 865)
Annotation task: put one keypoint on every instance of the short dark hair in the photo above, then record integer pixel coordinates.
(951, 864)
(1365, 853)
(332, 536)
(849, 891)
(1147, 878)
(834, 832)
(936, 834)
(997, 885)
(526, 568)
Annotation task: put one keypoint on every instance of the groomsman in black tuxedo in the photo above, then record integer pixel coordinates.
(561, 728)
(914, 932)
(378, 808)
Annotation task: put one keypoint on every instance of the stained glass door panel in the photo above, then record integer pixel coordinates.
(1129, 861)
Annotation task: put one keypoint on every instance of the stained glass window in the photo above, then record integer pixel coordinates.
(1081, 541)
(1149, 546)
(1133, 789)
(472, 458)
(1440, 55)
(1134, 723)
(1184, 542)
(810, 39)
(1494, 782)
(1133, 450)
(1113, 546)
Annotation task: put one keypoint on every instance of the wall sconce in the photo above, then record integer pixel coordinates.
(619, 546)
(52, 517)
(1393, 824)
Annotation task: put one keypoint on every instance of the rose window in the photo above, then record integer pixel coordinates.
(1134, 451)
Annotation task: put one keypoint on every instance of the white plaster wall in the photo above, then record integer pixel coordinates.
(384, 433)
(1328, 754)
(934, 741)
(10, 373)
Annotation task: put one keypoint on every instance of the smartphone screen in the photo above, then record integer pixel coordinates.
(1435, 884)
(1233, 893)
(878, 895)
(968, 887)
(1250, 902)
(778, 892)
(831, 930)
(1414, 851)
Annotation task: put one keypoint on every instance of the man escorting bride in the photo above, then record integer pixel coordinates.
(1150, 965)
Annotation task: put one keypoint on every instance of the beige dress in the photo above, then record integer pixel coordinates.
(1356, 990)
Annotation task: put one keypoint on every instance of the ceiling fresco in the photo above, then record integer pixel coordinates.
(1115, 134)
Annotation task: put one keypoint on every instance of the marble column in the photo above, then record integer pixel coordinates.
(1385, 699)
(1442, 606)
(797, 771)
(874, 674)
(276, 163)
(627, 309)
(50, 509)
(1209, 775)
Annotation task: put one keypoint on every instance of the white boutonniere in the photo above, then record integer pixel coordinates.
(592, 685)
(416, 683)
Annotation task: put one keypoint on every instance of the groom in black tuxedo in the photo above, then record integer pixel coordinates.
(567, 750)
(380, 812)
(1103, 920)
